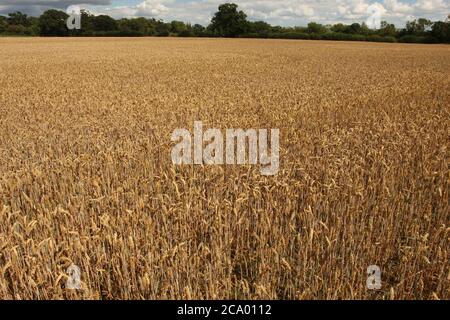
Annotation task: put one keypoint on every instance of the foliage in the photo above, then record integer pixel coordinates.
(53, 23)
(228, 21)
(104, 23)
(441, 31)
(314, 27)
(18, 18)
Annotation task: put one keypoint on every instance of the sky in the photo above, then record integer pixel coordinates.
(276, 12)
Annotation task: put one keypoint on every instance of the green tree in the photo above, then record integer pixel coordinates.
(228, 21)
(188, 32)
(104, 23)
(177, 27)
(3, 24)
(314, 27)
(411, 27)
(259, 27)
(339, 27)
(33, 29)
(418, 27)
(162, 29)
(424, 24)
(139, 26)
(298, 29)
(355, 28)
(387, 29)
(277, 29)
(145, 26)
(53, 23)
(198, 30)
(87, 22)
(365, 30)
(18, 19)
(441, 31)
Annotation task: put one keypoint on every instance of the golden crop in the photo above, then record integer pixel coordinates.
(86, 175)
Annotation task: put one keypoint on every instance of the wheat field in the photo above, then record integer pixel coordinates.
(86, 176)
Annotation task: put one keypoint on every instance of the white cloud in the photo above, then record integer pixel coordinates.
(151, 8)
(431, 5)
(396, 7)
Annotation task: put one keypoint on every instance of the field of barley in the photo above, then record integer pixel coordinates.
(86, 176)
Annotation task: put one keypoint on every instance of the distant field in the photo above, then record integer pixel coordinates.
(86, 175)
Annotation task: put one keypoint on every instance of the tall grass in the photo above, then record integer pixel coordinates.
(86, 175)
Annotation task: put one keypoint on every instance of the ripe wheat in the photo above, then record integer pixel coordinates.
(86, 176)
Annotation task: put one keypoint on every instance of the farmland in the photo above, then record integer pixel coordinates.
(86, 176)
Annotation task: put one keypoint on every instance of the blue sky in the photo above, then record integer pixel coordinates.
(277, 12)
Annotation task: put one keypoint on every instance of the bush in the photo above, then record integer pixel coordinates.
(332, 36)
(262, 35)
(163, 33)
(377, 38)
(289, 35)
(417, 39)
(121, 33)
(338, 36)
(186, 33)
(53, 23)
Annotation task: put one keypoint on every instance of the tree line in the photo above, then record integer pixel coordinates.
(228, 21)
